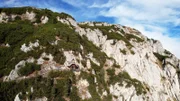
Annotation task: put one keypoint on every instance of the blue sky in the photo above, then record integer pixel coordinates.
(158, 19)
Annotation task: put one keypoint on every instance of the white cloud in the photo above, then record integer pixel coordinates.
(12, 3)
(110, 3)
(76, 3)
(9, 2)
(153, 18)
(143, 12)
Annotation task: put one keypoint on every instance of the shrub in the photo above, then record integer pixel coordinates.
(53, 74)
(116, 65)
(45, 58)
(73, 95)
(60, 58)
(17, 18)
(132, 52)
(123, 51)
(16, 10)
(28, 69)
(167, 52)
(64, 15)
(160, 57)
(14, 33)
(111, 72)
(130, 36)
(63, 74)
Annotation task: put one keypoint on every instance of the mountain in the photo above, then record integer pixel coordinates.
(48, 56)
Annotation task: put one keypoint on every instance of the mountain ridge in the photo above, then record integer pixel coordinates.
(113, 62)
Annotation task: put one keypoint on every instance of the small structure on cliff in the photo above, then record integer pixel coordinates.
(74, 67)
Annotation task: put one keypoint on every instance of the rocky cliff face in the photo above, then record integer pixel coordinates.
(110, 62)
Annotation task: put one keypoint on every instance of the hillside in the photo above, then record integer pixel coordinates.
(48, 56)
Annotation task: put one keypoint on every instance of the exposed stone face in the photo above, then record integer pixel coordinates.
(27, 16)
(63, 20)
(90, 56)
(17, 98)
(82, 86)
(36, 99)
(14, 73)
(68, 21)
(44, 19)
(3, 17)
(41, 99)
(88, 64)
(72, 59)
(72, 22)
(95, 36)
(142, 65)
(30, 47)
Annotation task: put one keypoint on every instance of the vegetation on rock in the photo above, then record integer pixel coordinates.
(124, 77)
(28, 69)
(54, 38)
(160, 57)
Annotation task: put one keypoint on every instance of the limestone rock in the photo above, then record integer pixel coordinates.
(82, 86)
(44, 19)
